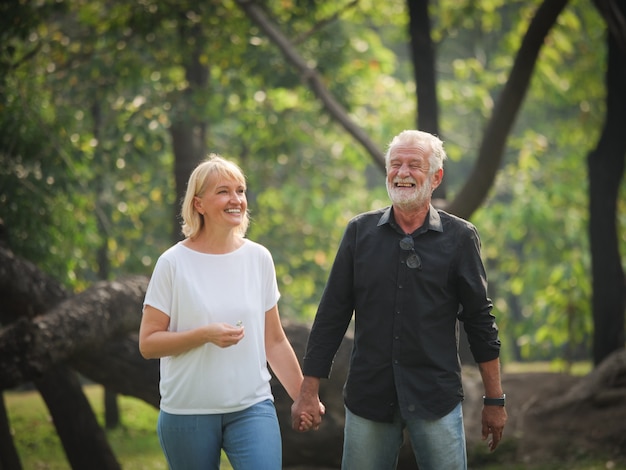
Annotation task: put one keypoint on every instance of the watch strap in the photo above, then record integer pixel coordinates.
(500, 401)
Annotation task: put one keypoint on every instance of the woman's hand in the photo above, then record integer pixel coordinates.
(224, 335)
(156, 341)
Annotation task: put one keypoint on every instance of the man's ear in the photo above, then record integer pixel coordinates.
(437, 178)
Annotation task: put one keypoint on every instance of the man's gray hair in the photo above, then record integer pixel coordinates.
(412, 138)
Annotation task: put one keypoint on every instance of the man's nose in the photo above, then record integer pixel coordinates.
(403, 170)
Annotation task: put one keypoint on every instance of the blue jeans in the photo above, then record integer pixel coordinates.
(250, 438)
(437, 444)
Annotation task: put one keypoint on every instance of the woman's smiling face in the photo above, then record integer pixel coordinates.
(223, 202)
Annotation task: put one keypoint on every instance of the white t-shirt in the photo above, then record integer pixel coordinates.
(196, 289)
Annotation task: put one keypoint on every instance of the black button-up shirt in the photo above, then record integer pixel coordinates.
(405, 351)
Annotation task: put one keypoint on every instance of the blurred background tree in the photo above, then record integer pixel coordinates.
(106, 107)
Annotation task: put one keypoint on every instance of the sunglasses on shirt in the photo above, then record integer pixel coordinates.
(413, 261)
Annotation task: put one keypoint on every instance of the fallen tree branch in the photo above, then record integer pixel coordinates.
(24, 289)
(28, 347)
(603, 386)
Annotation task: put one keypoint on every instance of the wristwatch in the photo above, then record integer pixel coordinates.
(495, 401)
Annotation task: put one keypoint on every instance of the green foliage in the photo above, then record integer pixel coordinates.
(543, 306)
(533, 226)
(86, 164)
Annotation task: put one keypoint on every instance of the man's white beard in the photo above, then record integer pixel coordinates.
(410, 200)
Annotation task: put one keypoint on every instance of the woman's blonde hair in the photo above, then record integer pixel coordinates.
(214, 165)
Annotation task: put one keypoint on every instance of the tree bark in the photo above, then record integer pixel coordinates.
(25, 291)
(118, 365)
(83, 322)
(606, 170)
(424, 72)
(188, 129)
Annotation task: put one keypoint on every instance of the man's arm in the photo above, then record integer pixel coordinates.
(493, 416)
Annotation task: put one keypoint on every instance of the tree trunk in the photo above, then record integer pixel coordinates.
(83, 440)
(9, 458)
(425, 75)
(188, 128)
(188, 145)
(111, 410)
(606, 170)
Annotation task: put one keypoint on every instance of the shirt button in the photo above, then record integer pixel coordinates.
(396, 337)
(395, 361)
(411, 407)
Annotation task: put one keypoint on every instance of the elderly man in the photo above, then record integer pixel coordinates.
(408, 273)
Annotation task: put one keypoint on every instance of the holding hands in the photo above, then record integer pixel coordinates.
(307, 410)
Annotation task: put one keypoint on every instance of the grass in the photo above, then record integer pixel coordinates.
(134, 443)
(576, 368)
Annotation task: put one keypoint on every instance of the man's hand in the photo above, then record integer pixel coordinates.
(307, 410)
(493, 421)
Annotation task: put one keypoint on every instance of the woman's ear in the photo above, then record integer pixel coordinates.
(197, 205)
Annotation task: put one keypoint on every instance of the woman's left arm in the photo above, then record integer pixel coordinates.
(280, 354)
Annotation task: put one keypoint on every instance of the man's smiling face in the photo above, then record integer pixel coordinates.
(409, 183)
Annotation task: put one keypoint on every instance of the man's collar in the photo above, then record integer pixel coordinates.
(386, 217)
(433, 220)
